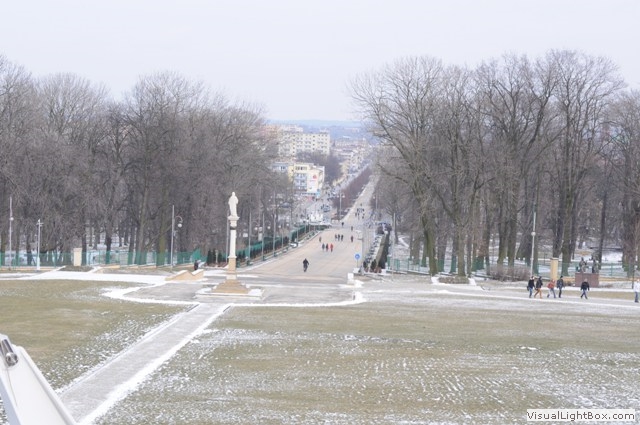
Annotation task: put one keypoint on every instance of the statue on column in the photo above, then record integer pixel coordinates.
(233, 204)
(231, 283)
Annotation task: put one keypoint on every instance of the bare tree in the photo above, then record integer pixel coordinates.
(71, 112)
(514, 95)
(399, 104)
(585, 88)
(17, 106)
(625, 158)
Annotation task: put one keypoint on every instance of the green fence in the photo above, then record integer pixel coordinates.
(100, 258)
(268, 247)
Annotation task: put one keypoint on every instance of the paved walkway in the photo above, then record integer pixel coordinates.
(93, 394)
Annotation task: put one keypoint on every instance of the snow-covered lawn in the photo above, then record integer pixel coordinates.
(68, 327)
(414, 353)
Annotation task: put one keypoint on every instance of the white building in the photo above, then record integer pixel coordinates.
(307, 178)
(293, 140)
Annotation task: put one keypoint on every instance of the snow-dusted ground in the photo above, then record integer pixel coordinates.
(413, 353)
(401, 350)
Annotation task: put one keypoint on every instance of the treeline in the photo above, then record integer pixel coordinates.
(95, 170)
(471, 158)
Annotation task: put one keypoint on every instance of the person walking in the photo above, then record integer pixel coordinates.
(584, 288)
(551, 286)
(560, 285)
(331, 247)
(538, 287)
(530, 285)
(636, 289)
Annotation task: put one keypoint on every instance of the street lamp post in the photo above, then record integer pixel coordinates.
(249, 240)
(263, 229)
(533, 240)
(39, 224)
(274, 235)
(175, 219)
(10, 223)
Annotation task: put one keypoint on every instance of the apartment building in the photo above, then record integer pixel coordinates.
(293, 140)
(306, 178)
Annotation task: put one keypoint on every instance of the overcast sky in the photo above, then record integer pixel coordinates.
(296, 57)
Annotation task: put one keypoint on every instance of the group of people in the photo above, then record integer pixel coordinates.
(537, 284)
(327, 247)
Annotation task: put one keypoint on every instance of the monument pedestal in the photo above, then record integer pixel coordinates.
(231, 286)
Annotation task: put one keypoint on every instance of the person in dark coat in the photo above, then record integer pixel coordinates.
(584, 288)
(530, 285)
(538, 287)
(560, 285)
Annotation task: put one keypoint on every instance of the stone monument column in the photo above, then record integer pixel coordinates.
(231, 285)
(233, 224)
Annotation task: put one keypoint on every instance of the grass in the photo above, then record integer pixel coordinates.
(412, 354)
(422, 359)
(68, 328)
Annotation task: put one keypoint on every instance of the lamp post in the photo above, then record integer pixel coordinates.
(175, 219)
(39, 224)
(340, 206)
(533, 239)
(273, 239)
(263, 229)
(248, 254)
(10, 222)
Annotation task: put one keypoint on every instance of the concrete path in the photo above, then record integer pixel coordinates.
(93, 394)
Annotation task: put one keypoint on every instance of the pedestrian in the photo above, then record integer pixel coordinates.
(331, 247)
(560, 285)
(636, 289)
(323, 247)
(584, 288)
(351, 238)
(538, 287)
(531, 285)
(551, 285)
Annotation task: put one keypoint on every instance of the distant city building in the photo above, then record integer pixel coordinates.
(292, 140)
(352, 152)
(306, 178)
